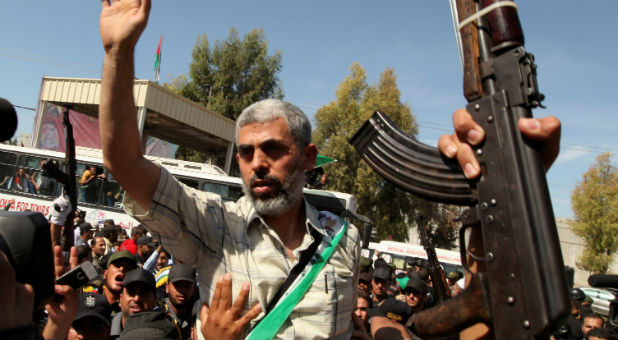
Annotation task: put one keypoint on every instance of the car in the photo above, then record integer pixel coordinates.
(601, 298)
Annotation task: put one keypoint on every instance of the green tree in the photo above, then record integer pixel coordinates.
(232, 75)
(391, 209)
(229, 77)
(595, 206)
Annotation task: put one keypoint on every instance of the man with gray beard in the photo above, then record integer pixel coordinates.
(257, 239)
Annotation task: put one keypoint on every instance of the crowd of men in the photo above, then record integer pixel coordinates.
(128, 301)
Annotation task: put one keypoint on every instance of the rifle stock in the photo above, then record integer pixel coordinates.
(525, 290)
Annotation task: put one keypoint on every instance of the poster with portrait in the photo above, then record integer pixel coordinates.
(51, 133)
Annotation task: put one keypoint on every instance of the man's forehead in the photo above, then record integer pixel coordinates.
(257, 133)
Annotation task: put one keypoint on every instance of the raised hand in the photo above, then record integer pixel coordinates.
(122, 22)
(468, 133)
(222, 319)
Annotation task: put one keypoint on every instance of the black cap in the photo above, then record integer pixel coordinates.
(85, 226)
(382, 272)
(366, 277)
(96, 305)
(145, 240)
(181, 272)
(139, 275)
(149, 325)
(577, 294)
(125, 254)
(416, 283)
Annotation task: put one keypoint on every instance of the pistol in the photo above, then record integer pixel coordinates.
(519, 289)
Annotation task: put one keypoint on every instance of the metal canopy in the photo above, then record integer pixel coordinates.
(161, 113)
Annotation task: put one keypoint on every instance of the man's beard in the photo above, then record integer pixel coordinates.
(286, 194)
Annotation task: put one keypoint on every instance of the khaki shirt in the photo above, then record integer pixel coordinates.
(218, 237)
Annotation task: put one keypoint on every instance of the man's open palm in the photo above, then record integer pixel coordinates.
(122, 22)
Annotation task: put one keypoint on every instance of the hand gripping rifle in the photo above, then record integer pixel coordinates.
(520, 290)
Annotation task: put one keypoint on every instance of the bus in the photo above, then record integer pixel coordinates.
(25, 186)
(402, 254)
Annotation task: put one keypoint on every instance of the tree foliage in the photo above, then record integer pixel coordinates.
(391, 209)
(229, 76)
(595, 206)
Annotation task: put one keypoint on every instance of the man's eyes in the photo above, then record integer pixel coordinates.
(245, 152)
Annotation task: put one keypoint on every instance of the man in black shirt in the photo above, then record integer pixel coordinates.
(182, 291)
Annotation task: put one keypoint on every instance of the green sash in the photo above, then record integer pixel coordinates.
(270, 324)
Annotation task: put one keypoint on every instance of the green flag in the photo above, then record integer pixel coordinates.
(323, 160)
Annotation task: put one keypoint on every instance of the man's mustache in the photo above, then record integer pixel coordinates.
(264, 177)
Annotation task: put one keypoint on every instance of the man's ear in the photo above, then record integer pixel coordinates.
(311, 154)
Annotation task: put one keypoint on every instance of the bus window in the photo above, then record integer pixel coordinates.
(32, 162)
(188, 182)
(399, 262)
(47, 185)
(8, 158)
(90, 192)
(113, 193)
(7, 169)
(227, 192)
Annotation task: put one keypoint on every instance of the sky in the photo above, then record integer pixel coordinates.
(575, 44)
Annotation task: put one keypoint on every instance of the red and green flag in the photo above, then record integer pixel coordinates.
(157, 64)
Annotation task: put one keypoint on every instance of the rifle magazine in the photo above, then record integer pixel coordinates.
(410, 164)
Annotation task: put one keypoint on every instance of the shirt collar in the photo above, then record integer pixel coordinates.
(311, 218)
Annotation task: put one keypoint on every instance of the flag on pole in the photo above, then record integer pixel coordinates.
(323, 160)
(157, 64)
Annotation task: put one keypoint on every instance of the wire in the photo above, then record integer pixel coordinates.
(25, 108)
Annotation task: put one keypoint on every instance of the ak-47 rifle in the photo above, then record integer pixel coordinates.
(438, 278)
(520, 290)
(67, 178)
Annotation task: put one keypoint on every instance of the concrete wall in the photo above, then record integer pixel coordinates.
(572, 248)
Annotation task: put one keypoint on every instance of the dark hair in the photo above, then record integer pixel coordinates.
(82, 252)
(366, 297)
(107, 232)
(165, 251)
(140, 229)
(601, 333)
